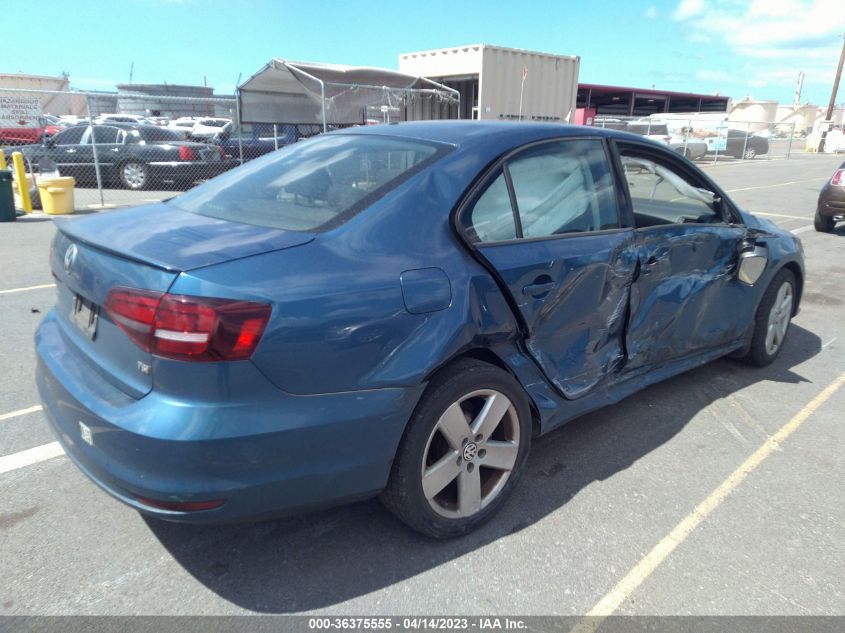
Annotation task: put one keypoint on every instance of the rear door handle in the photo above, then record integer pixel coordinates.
(537, 290)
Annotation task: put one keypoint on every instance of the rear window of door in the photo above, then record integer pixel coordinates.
(105, 134)
(70, 136)
(549, 189)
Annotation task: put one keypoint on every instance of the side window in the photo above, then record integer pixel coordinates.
(560, 187)
(492, 216)
(662, 195)
(70, 136)
(105, 134)
(564, 187)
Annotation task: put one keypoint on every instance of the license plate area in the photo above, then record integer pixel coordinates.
(84, 315)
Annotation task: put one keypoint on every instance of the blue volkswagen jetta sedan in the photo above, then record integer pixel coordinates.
(394, 310)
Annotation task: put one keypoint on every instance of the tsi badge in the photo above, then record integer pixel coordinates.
(85, 433)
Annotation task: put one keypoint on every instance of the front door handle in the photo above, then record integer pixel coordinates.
(539, 289)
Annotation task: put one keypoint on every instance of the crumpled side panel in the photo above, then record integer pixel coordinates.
(575, 330)
(686, 298)
(592, 349)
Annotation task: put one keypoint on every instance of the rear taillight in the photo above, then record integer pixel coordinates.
(222, 153)
(186, 153)
(838, 177)
(188, 328)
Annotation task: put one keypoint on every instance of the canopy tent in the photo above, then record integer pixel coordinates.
(303, 93)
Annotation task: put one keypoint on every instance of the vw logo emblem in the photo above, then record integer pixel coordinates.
(470, 451)
(70, 257)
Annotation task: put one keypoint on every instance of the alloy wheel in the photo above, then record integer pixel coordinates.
(779, 317)
(470, 454)
(134, 175)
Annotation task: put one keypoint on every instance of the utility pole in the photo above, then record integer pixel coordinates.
(798, 86)
(832, 102)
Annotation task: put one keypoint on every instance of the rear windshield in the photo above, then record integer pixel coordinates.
(313, 185)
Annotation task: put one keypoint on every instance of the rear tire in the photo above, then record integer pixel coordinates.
(750, 153)
(823, 223)
(135, 175)
(463, 451)
(771, 323)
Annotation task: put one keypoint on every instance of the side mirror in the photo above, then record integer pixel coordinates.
(752, 263)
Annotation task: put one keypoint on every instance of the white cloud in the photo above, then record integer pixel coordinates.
(650, 12)
(689, 9)
(772, 40)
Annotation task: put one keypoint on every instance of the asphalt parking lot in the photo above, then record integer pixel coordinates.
(580, 530)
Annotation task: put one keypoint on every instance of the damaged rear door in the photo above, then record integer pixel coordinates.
(547, 222)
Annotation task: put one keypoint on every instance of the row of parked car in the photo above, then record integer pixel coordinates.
(730, 142)
(136, 155)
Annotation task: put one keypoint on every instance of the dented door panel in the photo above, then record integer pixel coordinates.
(686, 297)
(572, 295)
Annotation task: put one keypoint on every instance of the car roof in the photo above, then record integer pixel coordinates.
(466, 133)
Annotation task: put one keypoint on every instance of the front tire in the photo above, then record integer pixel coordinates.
(823, 223)
(462, 452)
(750, 153)
(135, 175)
(771, 323)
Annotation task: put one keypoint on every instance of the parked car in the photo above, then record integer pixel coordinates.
(831, 205)
(183, 125)
(52, 125)
(120, 118)
(692, 148)
(208, 127)
(250, 145)
(394, 310)
(134, 156)
(733, 143)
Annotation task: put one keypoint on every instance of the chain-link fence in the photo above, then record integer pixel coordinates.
(709, 140)
(124, 149)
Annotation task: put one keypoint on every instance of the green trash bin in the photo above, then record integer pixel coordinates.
(7, 198)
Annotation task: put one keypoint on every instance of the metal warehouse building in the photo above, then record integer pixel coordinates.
(619, 101)
(501, 83)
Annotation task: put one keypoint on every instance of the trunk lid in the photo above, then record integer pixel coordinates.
(166, 237)
(146, 248)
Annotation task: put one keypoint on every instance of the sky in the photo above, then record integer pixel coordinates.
(737, 48)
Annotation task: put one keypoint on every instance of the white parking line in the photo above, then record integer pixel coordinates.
(30, 456)
(19, 412)
(777, 184)
(802, 229)
(27, 288)
(660, 552)
(779, 215)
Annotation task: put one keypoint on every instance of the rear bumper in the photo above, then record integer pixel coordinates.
(264, 451)
(832, 201)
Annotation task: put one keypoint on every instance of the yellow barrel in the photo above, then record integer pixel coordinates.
(56, 195)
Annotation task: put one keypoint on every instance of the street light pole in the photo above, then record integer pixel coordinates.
(832, 102)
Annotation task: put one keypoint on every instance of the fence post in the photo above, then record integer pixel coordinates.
(240, 123)
(275, 137)
(718, 142)
(745, 142)
(94, 149)
(791, 136)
